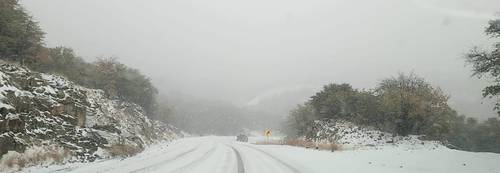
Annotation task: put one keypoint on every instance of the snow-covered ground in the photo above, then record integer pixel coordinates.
(222, 154)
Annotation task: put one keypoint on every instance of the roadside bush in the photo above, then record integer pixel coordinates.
(42, 155)
(299, 142)
(329, 146)
(403, 105)
(307, 143)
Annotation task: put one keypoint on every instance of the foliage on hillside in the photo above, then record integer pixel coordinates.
(21, 40)
(402, 105)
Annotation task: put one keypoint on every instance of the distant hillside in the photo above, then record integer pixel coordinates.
(281, 101)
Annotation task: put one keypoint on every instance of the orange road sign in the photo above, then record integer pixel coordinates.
(268, 133)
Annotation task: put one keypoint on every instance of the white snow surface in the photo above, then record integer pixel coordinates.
(220, 154)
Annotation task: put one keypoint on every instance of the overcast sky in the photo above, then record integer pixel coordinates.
(241, 50)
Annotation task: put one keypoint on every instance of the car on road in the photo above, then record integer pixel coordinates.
(242, 138)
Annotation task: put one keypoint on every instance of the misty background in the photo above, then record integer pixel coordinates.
(262, 57)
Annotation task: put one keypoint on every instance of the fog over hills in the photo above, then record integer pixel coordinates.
(236, 51)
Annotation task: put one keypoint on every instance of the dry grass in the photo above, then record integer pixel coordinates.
(269, 142)
(329, 146)
(300, 142)
(123, 150)
(34, 156)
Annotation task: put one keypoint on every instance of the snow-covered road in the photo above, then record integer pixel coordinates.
(224, 155)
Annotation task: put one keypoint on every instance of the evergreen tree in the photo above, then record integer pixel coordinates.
(487, 63)
(21, 38)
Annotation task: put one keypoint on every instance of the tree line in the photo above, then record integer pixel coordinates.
(402, 105)
(21, 41)
(408, 105)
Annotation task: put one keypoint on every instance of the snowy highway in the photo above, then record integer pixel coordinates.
(203, 154)
(225, 155)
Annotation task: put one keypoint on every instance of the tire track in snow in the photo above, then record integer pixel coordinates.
(227, 159)
(151, 167)
(170, 148)
(293, 169)
(241, 167)
(197, 161)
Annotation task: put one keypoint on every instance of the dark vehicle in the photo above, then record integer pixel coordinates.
(242, 138)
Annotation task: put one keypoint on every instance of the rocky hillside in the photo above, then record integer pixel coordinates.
(47, 110)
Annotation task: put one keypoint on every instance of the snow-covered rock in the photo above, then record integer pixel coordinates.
(350, 135)
(39, 109)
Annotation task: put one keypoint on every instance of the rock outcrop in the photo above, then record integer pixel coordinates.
(39, 109)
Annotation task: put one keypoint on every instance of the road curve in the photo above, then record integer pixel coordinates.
(201, 154)
(224, 155)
